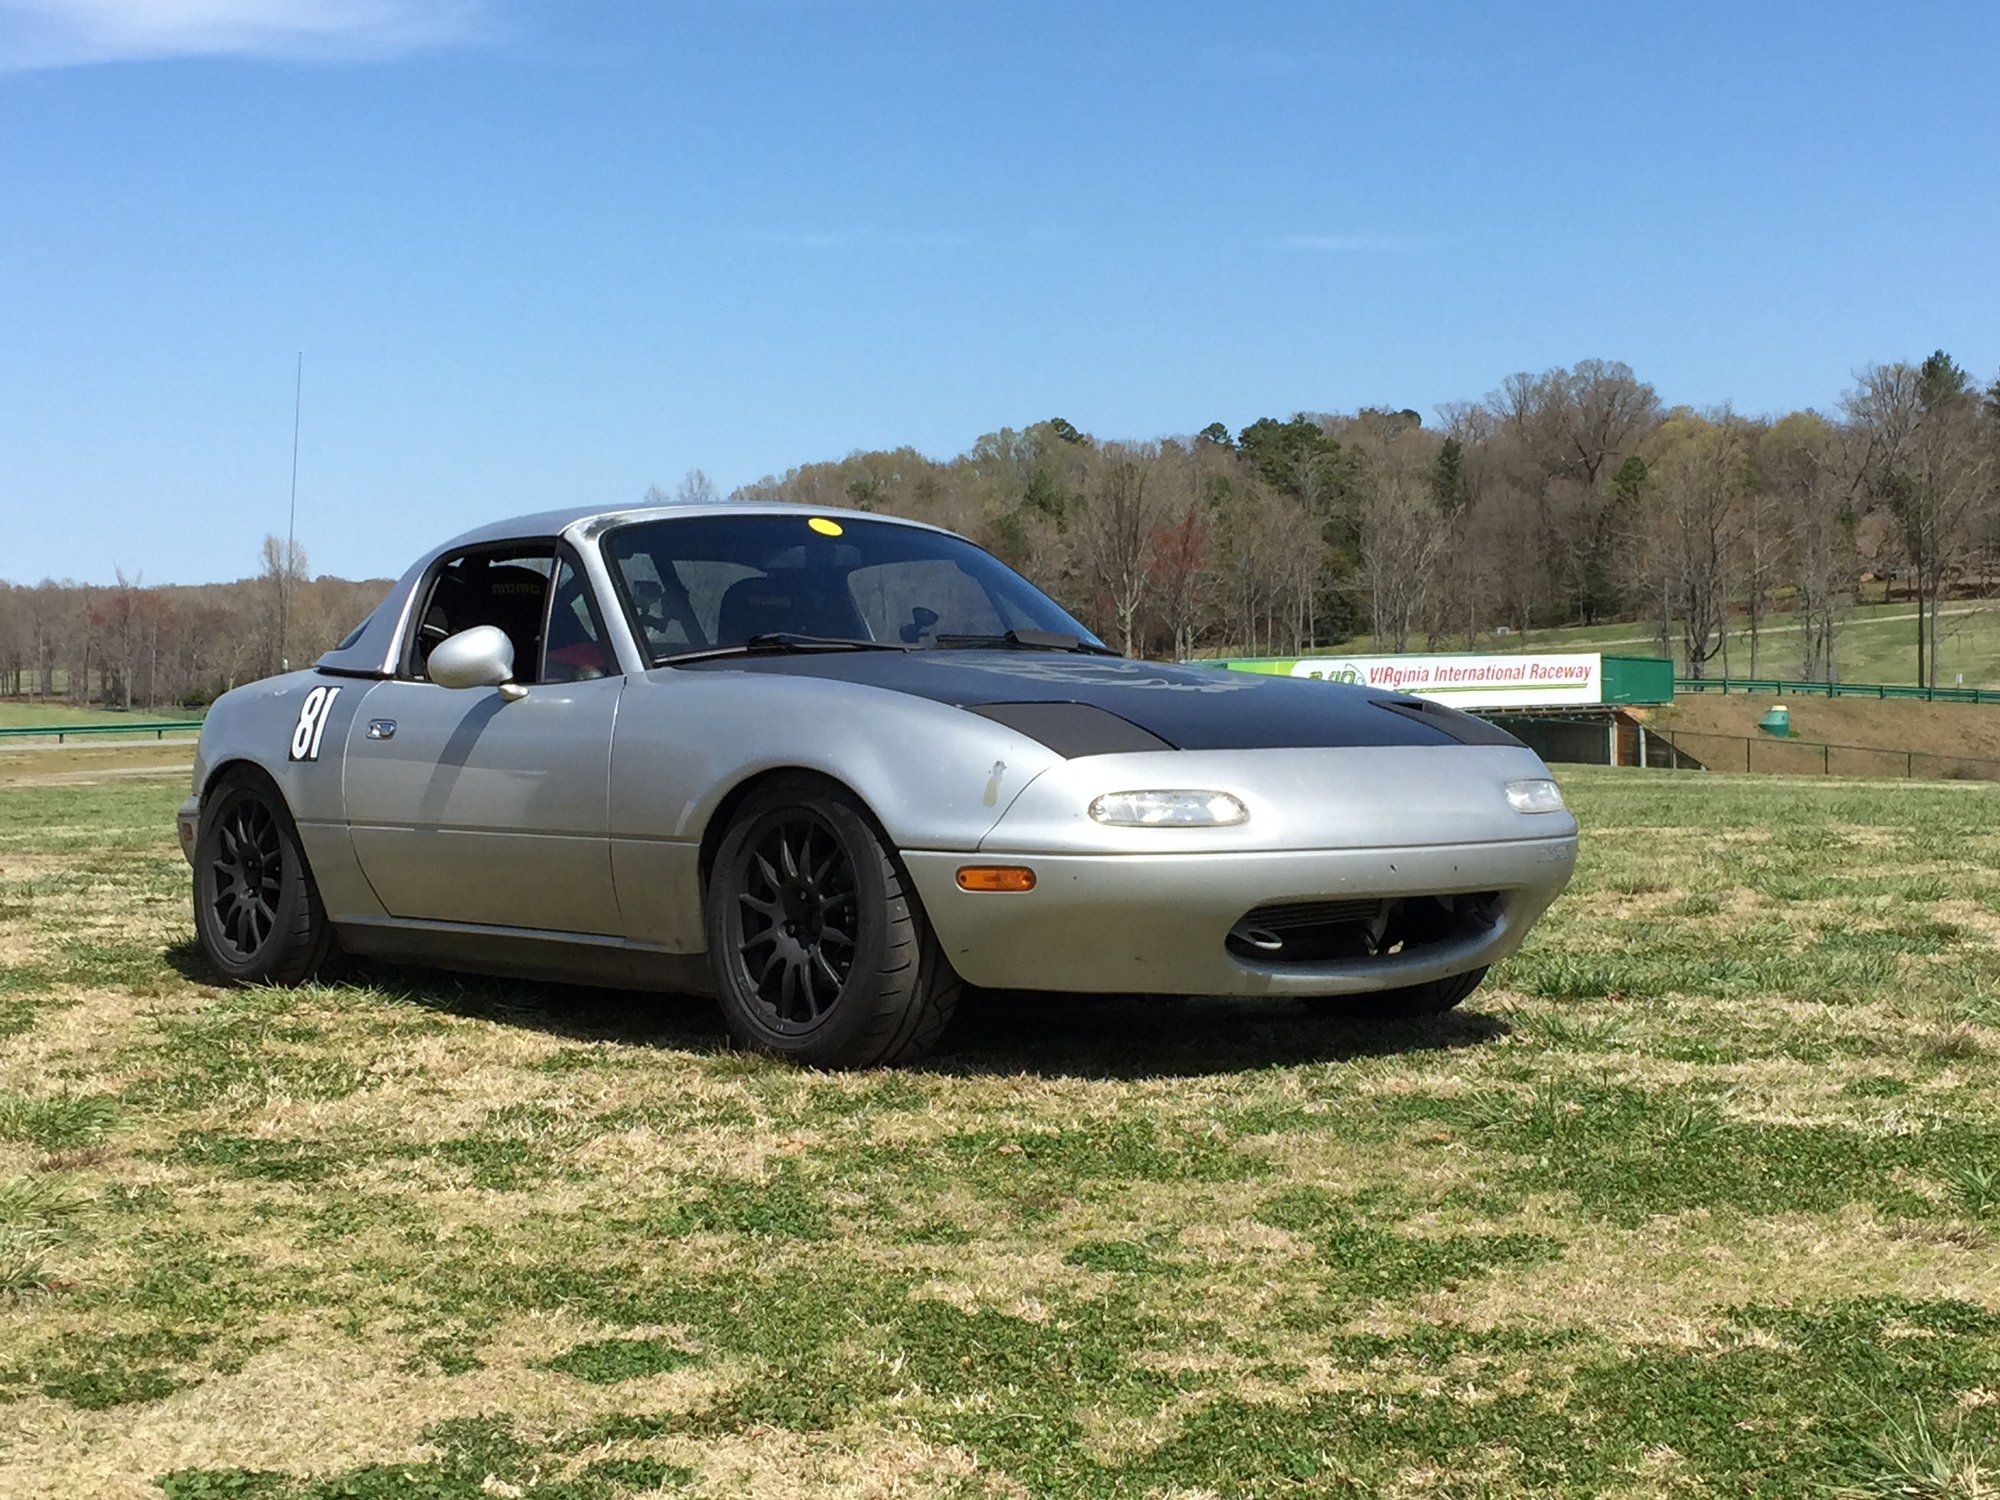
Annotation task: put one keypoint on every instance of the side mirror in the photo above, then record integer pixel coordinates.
(480, 657)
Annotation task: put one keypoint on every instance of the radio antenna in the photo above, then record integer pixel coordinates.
(291, 523)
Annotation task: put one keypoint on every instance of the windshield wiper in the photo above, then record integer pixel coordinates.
(1028, 640)
(777, 642)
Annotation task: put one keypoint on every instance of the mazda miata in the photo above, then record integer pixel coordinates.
(831, 767)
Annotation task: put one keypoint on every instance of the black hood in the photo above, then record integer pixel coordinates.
(1081, 705)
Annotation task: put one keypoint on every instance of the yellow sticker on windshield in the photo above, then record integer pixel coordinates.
(824, 527)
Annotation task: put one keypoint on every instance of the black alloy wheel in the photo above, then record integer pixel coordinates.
(248, 869)
(819, 948)
(799, 917)
(257, 910)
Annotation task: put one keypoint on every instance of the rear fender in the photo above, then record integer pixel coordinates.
(294, 730)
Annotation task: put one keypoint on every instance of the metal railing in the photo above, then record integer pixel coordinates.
(1572, 739)
(1788, 757)
(1786, 687)
(159, 729)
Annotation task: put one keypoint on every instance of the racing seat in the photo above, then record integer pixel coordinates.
(796, 603)
(507, 595)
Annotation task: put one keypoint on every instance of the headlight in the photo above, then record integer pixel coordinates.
(1168, 809)
(1537, 796)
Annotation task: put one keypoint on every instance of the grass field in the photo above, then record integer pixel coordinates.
(17, 713)
(1700, 1198)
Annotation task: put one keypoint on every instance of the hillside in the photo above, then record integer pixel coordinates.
(1932, 731)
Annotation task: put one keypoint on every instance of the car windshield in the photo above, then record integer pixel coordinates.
(714, 582)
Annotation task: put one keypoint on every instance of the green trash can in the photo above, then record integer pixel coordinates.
(1777, 721)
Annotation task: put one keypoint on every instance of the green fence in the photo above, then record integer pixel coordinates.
(1834, 689)
(159, 729)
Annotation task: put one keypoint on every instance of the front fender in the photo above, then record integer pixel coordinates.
(934, 776)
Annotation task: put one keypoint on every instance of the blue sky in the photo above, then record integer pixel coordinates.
(544, 252)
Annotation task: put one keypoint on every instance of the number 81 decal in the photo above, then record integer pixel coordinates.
(311, 728)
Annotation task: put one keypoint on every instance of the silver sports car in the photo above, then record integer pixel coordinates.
(831, 767)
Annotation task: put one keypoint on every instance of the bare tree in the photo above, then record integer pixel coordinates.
(1929, 463)
(120, 614)
(696, 488)
(1811, 470)
(1115, 537)
(1402, 538)
(1567, 428)
(1698, 479)
(1182, 566)
(284, 569)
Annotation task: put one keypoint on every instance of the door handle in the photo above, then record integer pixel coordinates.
(381, 729)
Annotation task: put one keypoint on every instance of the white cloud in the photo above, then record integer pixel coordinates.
(63, 33)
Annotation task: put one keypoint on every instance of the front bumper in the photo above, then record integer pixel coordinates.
(1159, 923)
(187, 822)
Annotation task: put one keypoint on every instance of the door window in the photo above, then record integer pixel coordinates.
(507, 587)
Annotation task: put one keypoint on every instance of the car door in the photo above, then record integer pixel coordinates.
(468, 806)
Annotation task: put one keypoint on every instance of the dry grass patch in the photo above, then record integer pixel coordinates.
(1655, 1284)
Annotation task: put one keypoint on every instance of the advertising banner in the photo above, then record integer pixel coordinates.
(1526, 680)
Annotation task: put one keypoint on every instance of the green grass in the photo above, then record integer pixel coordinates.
(1699, 1196)
(18, 713)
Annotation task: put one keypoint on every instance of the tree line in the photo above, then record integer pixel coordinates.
(1570, 497)
(131, 645)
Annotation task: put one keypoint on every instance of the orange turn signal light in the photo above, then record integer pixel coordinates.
(996, 878)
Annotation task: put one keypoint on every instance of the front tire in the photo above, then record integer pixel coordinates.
(257, 911)
(820, 951)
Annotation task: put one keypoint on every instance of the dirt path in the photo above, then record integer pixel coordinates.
(71, 766)
(31, 743)
(87, 778)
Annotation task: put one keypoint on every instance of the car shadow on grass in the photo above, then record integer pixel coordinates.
(572, 1012)
(995, 1032)
(1151, 1036)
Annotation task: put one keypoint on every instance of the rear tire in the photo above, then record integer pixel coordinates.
(1405, 1004)
(820, 951)
(257, 910)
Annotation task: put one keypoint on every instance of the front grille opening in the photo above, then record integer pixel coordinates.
(1307, 932)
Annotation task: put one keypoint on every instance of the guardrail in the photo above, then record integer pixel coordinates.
(159, 729)
(1790, 689)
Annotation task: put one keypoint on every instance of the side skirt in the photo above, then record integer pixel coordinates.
(524, 953)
